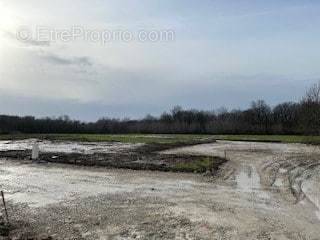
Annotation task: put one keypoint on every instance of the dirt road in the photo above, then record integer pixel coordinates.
(272, 190)
(265, 191)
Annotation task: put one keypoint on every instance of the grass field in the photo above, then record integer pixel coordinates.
(126, 138)
(271, 138)
(165, 138)
(200, 165)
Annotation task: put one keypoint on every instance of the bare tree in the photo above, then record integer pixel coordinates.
(313, 94)
(310, 110)
(261, 115)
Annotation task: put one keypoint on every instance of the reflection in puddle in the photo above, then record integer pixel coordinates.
(69, 147)
(248, 181)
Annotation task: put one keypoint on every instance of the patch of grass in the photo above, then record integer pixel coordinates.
(201, 165)
(271, 138)
(165, 138)
(126, 138)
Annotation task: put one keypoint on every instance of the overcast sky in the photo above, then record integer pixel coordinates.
(222, 53)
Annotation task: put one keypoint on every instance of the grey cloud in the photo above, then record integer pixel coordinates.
(16, 104)
(136, 96)
(27, 42)
(78, 61)
(32, 42)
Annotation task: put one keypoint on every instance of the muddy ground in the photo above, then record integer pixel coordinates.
(112, 155)
(264, 191)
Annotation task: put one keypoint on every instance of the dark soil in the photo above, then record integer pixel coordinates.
(5, 228)
(130, 160)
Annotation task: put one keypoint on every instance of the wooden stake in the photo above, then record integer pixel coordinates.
(5, 207)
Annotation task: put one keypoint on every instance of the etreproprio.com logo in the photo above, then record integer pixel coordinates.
(102, 36)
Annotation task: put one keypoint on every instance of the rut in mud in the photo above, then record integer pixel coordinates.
(269, 181)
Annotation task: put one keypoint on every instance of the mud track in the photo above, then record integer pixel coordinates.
(270, 182)
(264, 191)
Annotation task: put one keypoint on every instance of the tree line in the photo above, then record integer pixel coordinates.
(301, 117)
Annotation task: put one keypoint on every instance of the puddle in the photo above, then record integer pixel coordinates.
(248, 181)
(69, 147)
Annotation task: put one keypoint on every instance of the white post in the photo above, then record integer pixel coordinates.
(35, 151)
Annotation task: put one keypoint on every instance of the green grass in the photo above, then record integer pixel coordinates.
(126, 138)
(271, 138)
(201, 165)
(165, 138)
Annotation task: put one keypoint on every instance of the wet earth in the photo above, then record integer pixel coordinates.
(69, 146)
(264, 191)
